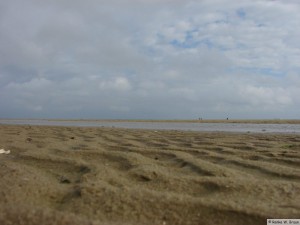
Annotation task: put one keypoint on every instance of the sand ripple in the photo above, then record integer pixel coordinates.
(69, 175)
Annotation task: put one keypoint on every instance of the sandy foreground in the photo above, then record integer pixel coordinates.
(73, 175)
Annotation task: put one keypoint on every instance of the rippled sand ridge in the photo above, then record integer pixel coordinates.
(73, 175)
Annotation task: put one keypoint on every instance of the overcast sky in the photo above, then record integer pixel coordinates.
(150, 59)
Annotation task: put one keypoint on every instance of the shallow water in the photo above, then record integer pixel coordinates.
(228, 127)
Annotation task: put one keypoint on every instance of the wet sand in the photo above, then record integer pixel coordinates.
(257, 121)
(75, 175)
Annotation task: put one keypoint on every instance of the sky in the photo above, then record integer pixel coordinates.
(150, 59)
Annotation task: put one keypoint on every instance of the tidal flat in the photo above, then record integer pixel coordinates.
(97, 175)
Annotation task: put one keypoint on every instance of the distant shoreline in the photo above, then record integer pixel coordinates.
(249, 121)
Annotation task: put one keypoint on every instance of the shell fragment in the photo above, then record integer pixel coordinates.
(2, 151)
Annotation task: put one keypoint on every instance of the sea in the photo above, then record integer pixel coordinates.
(180, 126)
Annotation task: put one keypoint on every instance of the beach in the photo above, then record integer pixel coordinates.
(97, 175)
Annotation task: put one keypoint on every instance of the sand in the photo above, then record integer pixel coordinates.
(72, 175)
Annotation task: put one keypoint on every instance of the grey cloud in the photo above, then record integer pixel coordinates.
(149, 59)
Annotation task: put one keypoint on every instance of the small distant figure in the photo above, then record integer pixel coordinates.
(200, 118)
(227, 118)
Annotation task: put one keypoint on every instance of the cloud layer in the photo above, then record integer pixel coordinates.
(147, 59)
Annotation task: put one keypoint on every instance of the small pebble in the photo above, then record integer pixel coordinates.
(64, 180)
